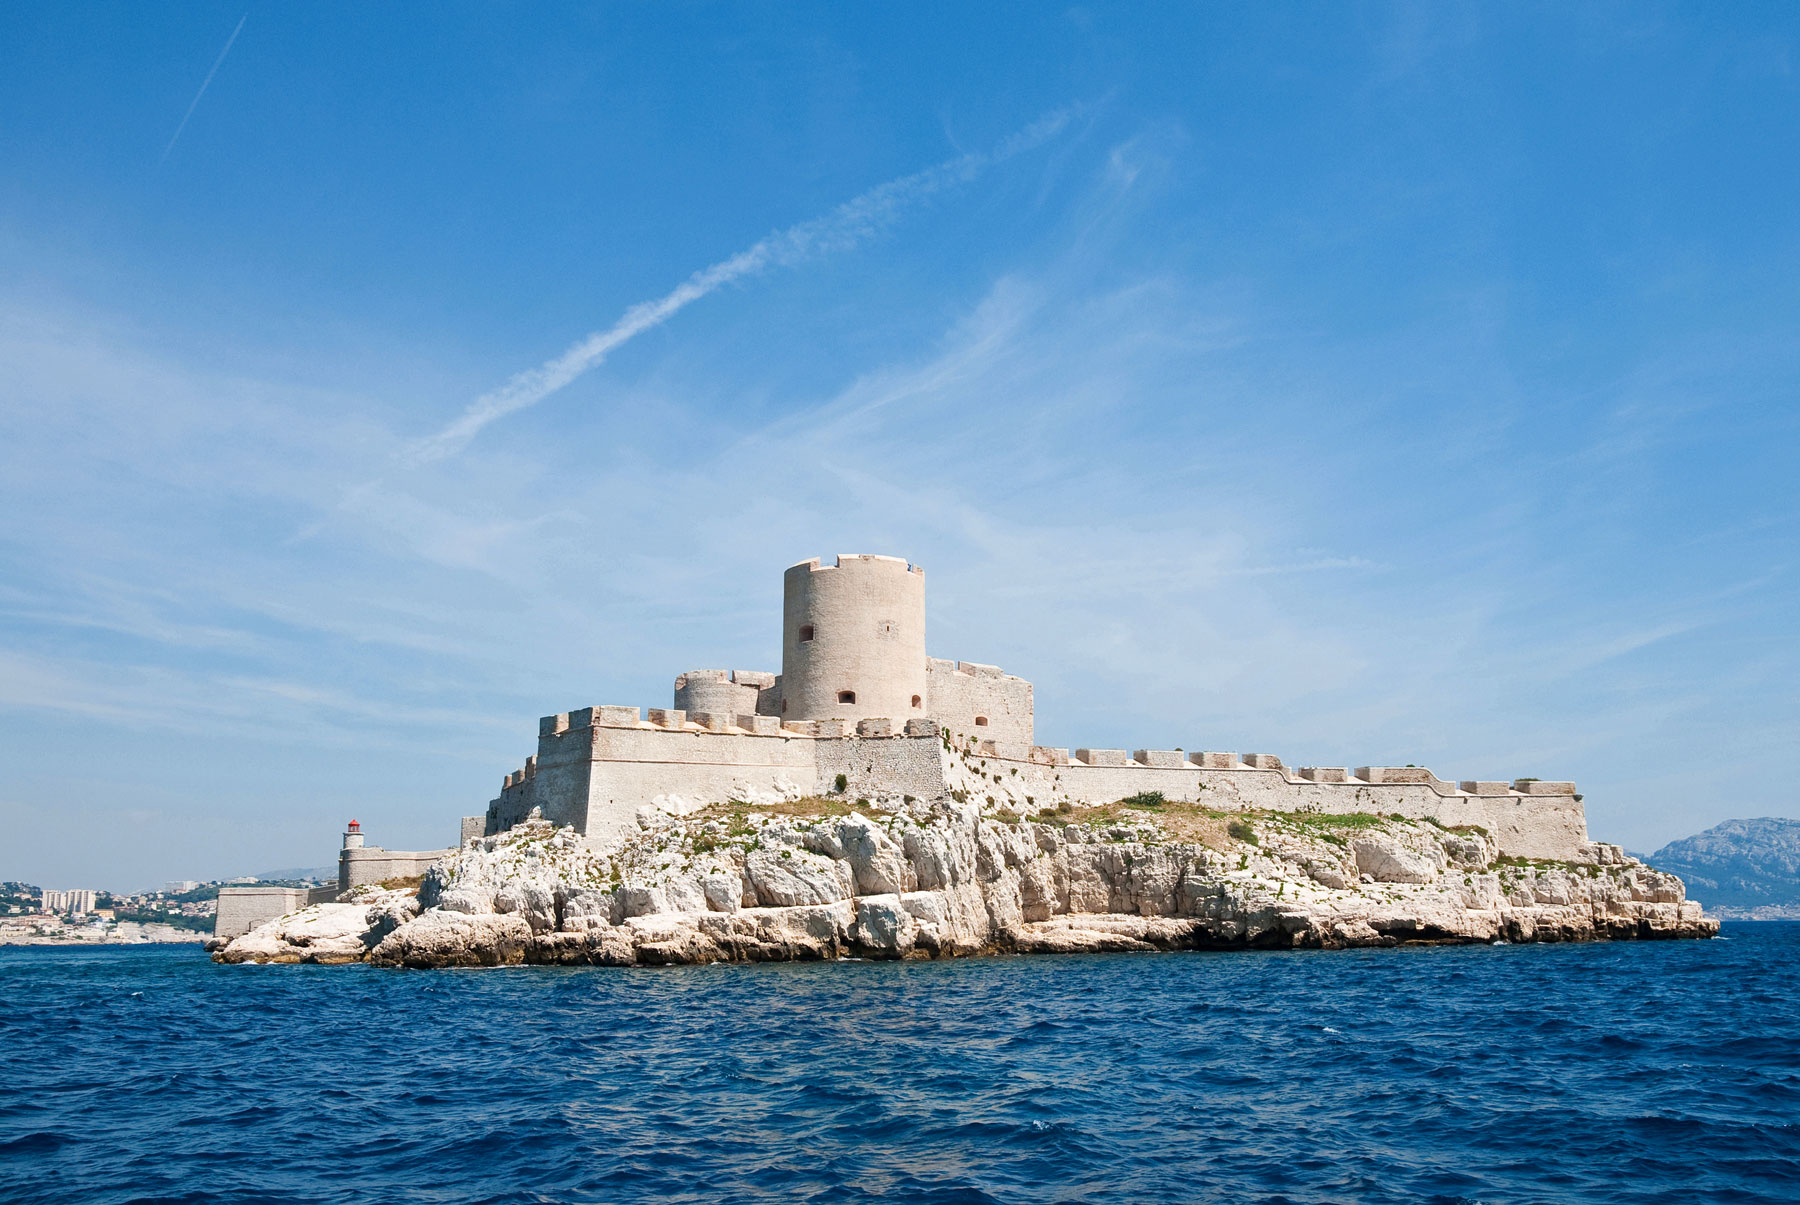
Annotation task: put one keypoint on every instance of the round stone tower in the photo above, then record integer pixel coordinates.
(853, 640)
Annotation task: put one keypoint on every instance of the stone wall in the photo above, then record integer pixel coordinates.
(242, 909)
(596, 767)
(372, 864)
(967, 697)
(1527, 818)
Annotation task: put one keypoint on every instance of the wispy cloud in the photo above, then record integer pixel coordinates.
(204, 85)
(840, 230)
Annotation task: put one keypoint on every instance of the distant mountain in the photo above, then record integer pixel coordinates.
(1741, 869)
(301, 872)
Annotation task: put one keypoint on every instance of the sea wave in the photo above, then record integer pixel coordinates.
(1642, 1072)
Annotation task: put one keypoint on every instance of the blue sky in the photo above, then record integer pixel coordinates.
(1362, 384)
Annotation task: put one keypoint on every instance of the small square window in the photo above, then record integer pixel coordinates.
(846, 696)
(806, 632)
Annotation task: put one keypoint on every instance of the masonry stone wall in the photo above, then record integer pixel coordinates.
(967, 697)
(1527, 819)
(241, 909)
(596, 767)
(372, 864)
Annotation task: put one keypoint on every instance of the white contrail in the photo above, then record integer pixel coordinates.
(203, 86)
(838, 230)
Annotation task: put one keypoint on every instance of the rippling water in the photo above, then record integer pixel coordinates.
(1633, 1072)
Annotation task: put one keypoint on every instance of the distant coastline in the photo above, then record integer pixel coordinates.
(125, 933)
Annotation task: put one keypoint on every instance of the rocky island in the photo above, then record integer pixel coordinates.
(869, 801)
(823, 878)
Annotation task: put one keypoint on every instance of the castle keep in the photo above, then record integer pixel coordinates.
(860, 709)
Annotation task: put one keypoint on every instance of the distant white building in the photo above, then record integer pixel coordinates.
(180, 886)
(74, 903)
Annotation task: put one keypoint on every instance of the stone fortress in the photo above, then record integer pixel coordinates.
(860, 709)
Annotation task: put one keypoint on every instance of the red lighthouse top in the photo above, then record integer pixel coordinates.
(355, 827)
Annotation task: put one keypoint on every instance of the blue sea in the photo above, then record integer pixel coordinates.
(1654, 1072)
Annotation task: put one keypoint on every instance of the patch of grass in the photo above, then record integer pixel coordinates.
(1350, 820)
(1144, 799)
(1005, 816)
(407, 882)
(1242, 830)
(736, 813)
(1513, 861)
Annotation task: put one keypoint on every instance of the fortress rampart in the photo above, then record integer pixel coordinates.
(597, 766)
(858, 697)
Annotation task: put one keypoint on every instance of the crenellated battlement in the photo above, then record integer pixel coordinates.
(885, 727)
(858, 560)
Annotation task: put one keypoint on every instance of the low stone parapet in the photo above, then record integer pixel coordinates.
(1102, 757)
(828, 729)
(604, 717)
(1215, 761)
(1531, 786)
(1378, 774)
(1482, 787)
(1170, 758)
(1263, 761)
(1324, 773)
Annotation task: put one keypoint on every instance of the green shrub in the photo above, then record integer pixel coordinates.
(842, 784)
(1143, 799)
(1241, 830)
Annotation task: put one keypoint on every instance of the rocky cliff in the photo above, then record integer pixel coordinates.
(821, 878)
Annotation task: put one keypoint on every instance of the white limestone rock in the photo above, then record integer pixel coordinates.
(787, 877)
(455, 939)
(324, 933)
(1386, 859)
(919, 880)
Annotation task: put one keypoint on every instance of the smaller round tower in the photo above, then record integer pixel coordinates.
(853, 640)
